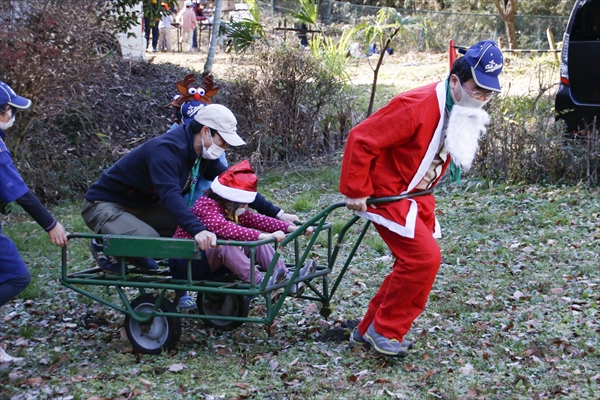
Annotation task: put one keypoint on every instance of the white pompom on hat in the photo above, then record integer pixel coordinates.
(239, 183)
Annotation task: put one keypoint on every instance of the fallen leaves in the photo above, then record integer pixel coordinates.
(177, 367)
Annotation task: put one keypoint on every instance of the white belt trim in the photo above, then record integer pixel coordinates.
(407, 230)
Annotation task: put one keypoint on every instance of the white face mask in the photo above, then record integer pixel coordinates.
(240, 211)
(5, 125)
(466, 100)
(213, 152)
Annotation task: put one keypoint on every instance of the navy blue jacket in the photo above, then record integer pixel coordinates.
(159, 171)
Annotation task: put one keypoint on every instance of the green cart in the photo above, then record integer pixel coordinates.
(152, 321)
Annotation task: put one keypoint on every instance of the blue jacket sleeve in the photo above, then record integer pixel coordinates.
(164, 172)
(32, 205)
(264, 206)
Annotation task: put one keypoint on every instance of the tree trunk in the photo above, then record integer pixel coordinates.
(376, 72)
(210, 58)
(507, 11)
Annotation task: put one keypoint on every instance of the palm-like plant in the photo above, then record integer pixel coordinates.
(309, 11)
(333, 54)
(388, 25)
(246, 32)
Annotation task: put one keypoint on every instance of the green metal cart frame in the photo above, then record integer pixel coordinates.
(152, 321)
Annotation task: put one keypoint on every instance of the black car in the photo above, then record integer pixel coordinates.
(578, 97)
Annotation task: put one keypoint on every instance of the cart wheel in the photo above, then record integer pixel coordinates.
(162, 333)
(223, 305)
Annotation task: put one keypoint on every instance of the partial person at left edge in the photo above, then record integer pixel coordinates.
(14, 275)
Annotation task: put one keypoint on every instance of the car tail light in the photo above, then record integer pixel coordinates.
(564, 69)
(565, 48)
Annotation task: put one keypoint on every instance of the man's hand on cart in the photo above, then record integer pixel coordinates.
(206, 240)
(289, 218)
(279, 235)
(359, 204)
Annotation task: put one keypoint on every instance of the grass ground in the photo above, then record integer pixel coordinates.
(513, 313)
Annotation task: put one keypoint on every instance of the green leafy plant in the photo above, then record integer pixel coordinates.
(388, 24)
(333, 53)
(309, 12)
(247, 32)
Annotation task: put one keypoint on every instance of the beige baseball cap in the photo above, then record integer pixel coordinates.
(221, 119)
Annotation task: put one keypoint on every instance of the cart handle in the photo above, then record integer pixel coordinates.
(302, 228)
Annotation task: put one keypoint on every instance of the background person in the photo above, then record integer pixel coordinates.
(14, 275)
(405, 147)
(187, 19)
(164, 26)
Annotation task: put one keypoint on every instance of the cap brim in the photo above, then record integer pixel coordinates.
(232, 139)
(20, 102)
(484, 81)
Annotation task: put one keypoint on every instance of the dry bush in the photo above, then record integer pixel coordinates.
(289, 107)
(524, 145)
(50, 45)
(89, 106)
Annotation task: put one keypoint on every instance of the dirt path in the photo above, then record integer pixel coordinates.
(522, 73)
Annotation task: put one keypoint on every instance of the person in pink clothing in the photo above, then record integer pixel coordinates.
(224, 211)
(187, 19)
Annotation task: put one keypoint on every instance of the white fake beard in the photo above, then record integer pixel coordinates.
(465, 127)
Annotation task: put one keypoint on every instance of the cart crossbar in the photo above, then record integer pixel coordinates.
(148, 246)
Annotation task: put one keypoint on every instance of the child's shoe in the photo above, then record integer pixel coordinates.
(186, 303)
(298, 288)
(277, 277)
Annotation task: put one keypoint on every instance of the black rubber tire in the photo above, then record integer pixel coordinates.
(162, 334)
(223, 305)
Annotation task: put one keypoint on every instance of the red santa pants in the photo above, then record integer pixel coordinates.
(403, 293)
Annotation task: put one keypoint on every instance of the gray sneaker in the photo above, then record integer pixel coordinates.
(383, 345)
(298, 288)
(356, 339)
(277, 277)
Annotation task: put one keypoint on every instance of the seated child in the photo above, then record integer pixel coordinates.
(223, 209)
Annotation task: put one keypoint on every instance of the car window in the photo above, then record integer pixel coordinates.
(586, 25)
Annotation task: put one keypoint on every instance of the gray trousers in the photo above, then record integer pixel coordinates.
(111, 218)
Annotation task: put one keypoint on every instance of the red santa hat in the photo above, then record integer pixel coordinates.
(238, 183)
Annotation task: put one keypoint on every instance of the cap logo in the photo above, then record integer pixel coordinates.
(192, 110)
(492, 66)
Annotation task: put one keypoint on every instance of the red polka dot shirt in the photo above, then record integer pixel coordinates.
(249, 226)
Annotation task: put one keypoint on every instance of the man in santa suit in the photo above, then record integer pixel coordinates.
(405, 147)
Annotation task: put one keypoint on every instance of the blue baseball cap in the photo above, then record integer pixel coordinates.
(486, 61)
(8, 96)
(189, 109)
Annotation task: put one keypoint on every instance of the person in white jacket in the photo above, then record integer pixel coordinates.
(164, 26)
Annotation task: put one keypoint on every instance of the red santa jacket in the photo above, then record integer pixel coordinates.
(390, 152)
